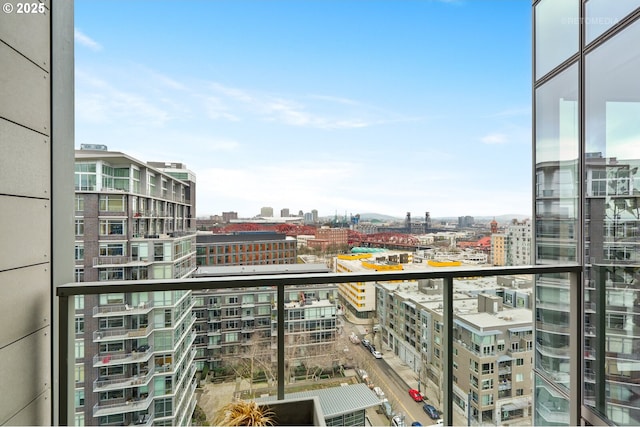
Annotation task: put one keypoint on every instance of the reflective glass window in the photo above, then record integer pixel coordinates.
(557, 26)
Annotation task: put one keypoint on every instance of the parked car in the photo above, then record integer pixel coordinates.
(431, 411)
(386, 409)
(378, 391)
(366, 343)
(416, 423)
(376, 354)
(398, 421)
(415, 395)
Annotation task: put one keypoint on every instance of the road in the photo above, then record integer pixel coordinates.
(383, 376)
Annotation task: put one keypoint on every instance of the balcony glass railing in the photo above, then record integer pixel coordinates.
(123, 382)
(169, 291)
(120, 358)
(124, 405)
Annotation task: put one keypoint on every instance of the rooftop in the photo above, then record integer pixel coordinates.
(336, 401)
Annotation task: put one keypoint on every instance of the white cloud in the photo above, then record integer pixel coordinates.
(85, 40)
(100, 102)
(229, 103)
(494, 138)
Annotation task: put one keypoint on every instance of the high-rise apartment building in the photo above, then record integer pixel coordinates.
(134, 355)
(587, 188)
(240, 327)
(499, 247)
(266, 212)
(519, 237)
(492, 349)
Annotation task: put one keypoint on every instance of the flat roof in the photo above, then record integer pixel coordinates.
(335, 401)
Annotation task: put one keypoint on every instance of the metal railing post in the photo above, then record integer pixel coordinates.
(281, 361)
(447, 383)
(576, 318)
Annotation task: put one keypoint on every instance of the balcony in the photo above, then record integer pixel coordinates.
(122, 309)
(66, 293)
(118, 261)
(123, 382)
(121, 334)
(117, 358)
(124, 405)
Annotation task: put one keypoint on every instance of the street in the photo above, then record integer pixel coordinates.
(383, 376)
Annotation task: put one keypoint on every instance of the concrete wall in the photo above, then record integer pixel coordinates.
(33, 137)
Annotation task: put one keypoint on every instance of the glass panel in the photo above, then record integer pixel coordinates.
(603, 14)
(551, 407)
(556, 160)
(557, 30)
(612, 276)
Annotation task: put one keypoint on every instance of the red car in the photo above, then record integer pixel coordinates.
(415, 395)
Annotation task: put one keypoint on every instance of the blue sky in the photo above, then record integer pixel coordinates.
(341, 106)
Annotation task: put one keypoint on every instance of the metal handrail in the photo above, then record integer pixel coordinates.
(65, 294)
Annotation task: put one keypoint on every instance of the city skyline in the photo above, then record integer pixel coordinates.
(337, 106)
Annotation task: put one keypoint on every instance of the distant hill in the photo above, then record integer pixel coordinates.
(379, 217)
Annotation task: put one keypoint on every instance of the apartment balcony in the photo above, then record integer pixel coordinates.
(118, 358)
(65, 298)
(124, 405)
(121, 334)
(118, 261)
(553, 414)
(504, 385)
(122, 309)
(561, 352)
(144, 418)
(123, 382)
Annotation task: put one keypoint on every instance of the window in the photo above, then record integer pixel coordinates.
(487, 399)
(115, 298)
(111, 347)
(519, 378)
(79, 227)
(79, 251)
(163, 407)
(473, 380)
(79, 302)
(112, 203)
(79, 324)
(79, 348)
(79, 373)
(85, 177)
(519, 362)
(79, 397)
(109, 227)
(79, 274)
(112, 249)
(79, 202)
(116, 419)
(487, 368)
(111, 274)
(487, 384)
(111, 322)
